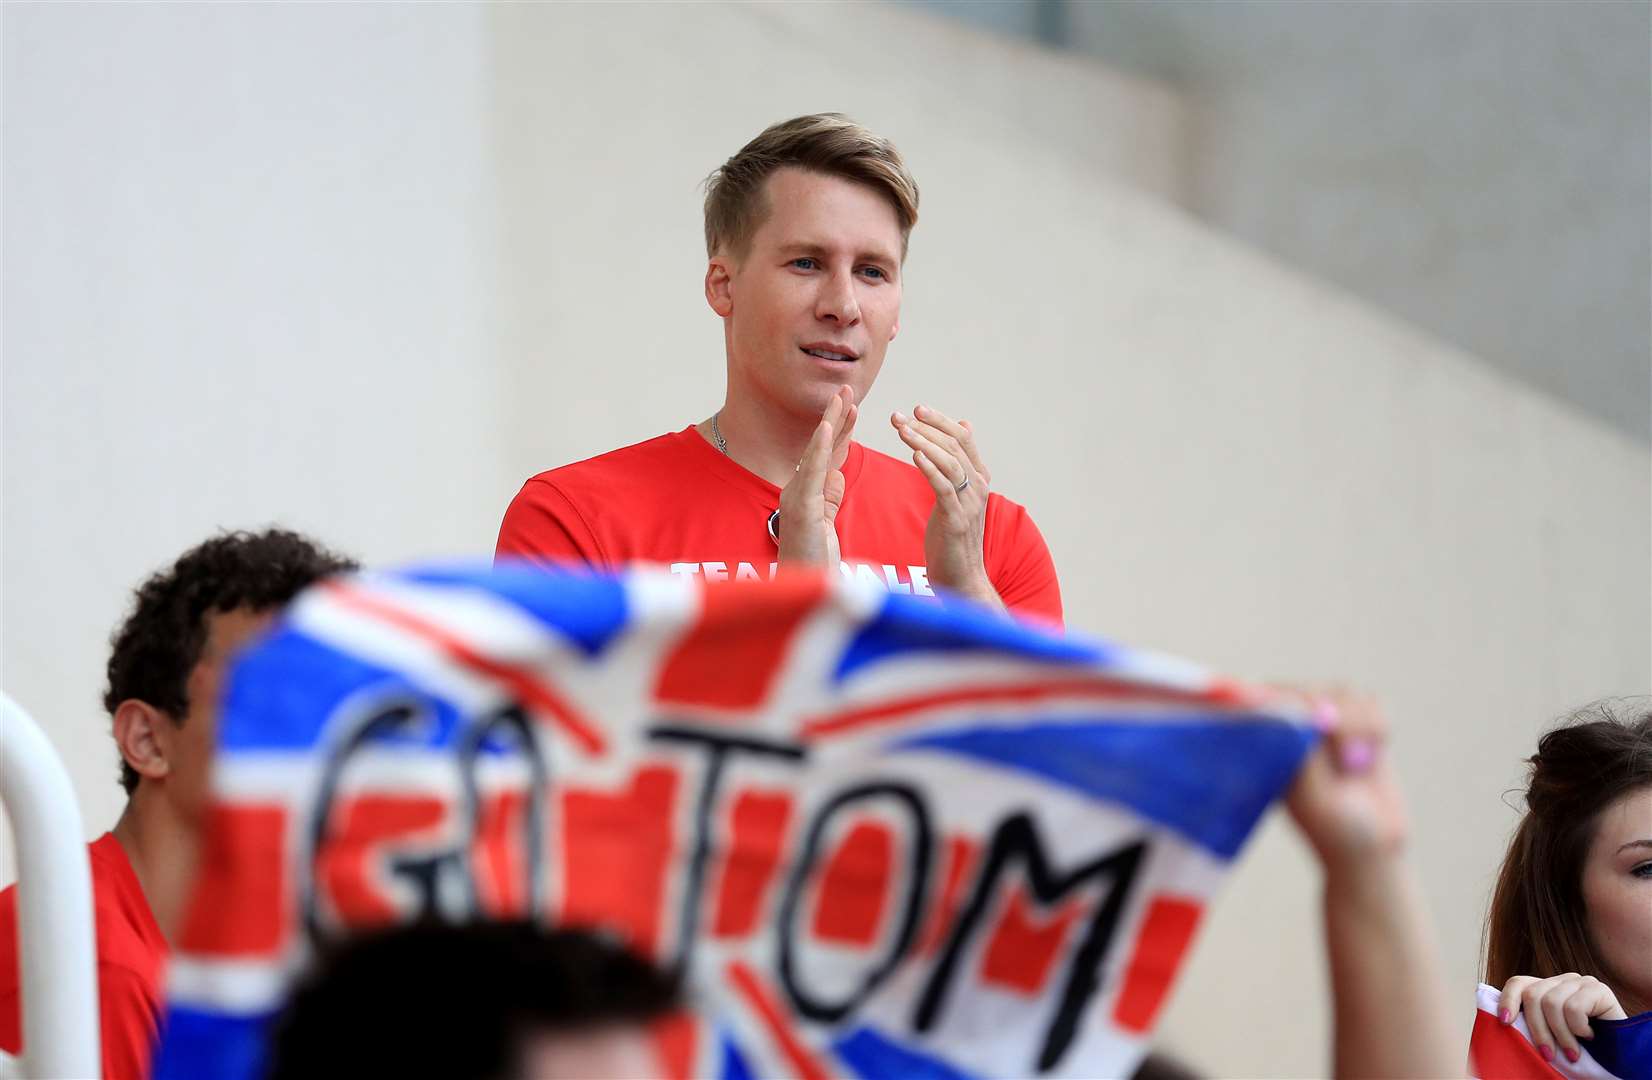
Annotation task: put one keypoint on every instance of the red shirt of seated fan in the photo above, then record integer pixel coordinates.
(131, 959)
(676, 501)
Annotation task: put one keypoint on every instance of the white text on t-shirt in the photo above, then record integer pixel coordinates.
(897, 579)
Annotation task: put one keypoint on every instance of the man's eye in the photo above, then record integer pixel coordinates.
(874, 271)
(1644, 870)
(804, 263)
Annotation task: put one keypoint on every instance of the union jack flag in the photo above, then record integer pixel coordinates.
(879, 836)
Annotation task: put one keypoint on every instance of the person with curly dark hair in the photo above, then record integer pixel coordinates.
(165, 666)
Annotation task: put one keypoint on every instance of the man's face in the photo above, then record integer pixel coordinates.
(817, 299)
(191, 743)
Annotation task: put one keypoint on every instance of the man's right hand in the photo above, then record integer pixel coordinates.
(809, 503)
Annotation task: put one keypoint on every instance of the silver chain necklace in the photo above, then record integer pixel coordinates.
(721, 443)
(717, 434)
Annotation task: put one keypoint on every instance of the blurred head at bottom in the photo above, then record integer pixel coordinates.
(489, 1001)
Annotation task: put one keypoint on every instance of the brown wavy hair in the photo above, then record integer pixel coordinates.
(829, 143)
(1537, 925)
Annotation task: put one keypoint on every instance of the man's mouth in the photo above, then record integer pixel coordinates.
(826, 353)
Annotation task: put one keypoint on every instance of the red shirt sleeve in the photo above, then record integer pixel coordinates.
(11, 1023)
(129, 1019)
(131, 958)
(1019, 563)
(543, 526)
(128, 1023)
(11, 975)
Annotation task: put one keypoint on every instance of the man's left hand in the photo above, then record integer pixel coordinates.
(944, 450)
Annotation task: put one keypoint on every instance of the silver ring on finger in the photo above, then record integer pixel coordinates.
(958, 489)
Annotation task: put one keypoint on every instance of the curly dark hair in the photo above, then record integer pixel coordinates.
(160, 642)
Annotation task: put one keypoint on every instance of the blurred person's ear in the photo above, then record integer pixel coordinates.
(145, 736)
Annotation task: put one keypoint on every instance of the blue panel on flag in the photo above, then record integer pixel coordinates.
(1623, 1047)
(199, 1044)
(1208, 780)
(734, 1065)
(282, 693)
(876, 1057)
(910, 624)
(280, 696)
(588, 609)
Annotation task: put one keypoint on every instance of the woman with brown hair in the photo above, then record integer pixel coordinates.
(1569, 935)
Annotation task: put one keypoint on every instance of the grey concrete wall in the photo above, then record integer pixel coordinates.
(1480, 168)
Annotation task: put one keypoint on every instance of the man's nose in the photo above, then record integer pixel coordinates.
(837, 302)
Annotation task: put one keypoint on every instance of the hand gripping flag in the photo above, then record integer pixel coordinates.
(880, 837)
(1619, 1050)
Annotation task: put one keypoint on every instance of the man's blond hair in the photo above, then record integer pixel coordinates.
(829, 143)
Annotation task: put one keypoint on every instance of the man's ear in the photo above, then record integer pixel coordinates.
(894, 328)
(143, 734)
(719, 286)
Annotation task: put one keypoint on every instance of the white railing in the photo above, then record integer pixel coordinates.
(56, 938)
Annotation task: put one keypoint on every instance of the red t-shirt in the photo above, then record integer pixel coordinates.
(131, 965)
(677, 501)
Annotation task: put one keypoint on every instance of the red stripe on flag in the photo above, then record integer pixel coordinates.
(731, 657)
(1220, 695)
(617, 849)
(501, 838)
(757, 832)
(239, 906)
(960, 860)
(1166, 931)
(766, 1005)
(855, 885)
(1023, 945)
(1498, 1051)
(369, 827)
(676, 1045)
(530, 690)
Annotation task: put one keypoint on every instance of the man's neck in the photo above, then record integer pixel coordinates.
(161, 849)
(761, 440)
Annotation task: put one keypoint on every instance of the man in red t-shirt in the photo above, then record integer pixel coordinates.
(164, 672)
(806, 229)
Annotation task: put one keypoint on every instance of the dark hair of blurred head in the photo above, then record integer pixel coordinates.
(160, 642)
(458, 1001)
(1537, 924)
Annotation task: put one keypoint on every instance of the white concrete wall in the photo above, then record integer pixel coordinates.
(250, 261)
(421, 252)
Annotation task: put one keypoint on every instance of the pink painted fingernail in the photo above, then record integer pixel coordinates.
(1546, 1052)
(1572, 1054)
(1505, 1016)
(1356, 755)
(1326, 715)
